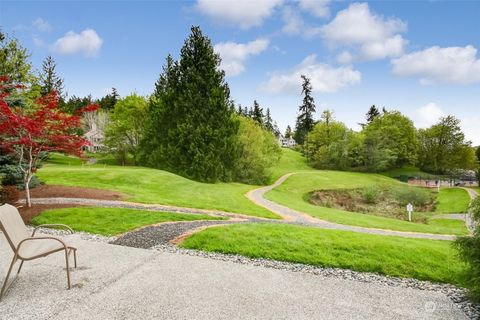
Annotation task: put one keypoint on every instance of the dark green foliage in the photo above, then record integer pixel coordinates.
(108, 102)
(372, 113)
(443, 147)
(257, 113)
(11, 174)
(191, 129)
(49, 80)
(75, 103)
(469, 248)
(288, 132)
(477, 153)
(306, 111)
(268, 122)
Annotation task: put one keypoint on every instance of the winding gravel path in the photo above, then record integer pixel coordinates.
(257, 196)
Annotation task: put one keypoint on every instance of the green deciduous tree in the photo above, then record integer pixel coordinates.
(328, 143)
(191, 128)
(469, 248)
(126, 126)
(306, 111)
(390, 141)
(443, 147)
(258, 150)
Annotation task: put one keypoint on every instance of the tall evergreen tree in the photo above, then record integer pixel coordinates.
(108, 102)
(276, 129)
(192, 131)
(305, 120)
(49, 80)
(372, 113)
(288, 132)
(268, 123)
(257, 113)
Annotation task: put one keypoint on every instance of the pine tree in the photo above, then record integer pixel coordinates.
(49, 80)
(305, 120)
(372, 113)
(268, 124)
(288, 132)
(192, 131)
(276, 130)
(257, 113)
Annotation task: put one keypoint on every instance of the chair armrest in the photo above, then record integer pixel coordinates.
(42, 238)
(52, 225)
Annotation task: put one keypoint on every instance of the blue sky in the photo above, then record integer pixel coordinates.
(417, 57)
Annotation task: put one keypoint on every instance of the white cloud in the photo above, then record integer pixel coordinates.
(41, 25)
(428, 115)
(324, 78)
(371, 35)
(453, 65)
(318, 8)
(235, 54)
(87, 43)
(245, 14)
(293, 22)
(471, 129)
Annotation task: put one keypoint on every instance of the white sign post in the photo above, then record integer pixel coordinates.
(410, 210)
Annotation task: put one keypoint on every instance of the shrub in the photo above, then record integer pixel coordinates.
(413, 195)
(469, 249)
(371, 194)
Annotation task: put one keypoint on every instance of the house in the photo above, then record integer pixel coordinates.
(96, 138)
(286, 142)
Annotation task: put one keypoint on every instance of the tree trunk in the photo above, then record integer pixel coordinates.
(27, 191)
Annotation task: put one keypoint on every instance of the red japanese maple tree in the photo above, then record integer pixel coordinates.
(29, 133)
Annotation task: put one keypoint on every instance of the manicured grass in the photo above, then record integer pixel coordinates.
(111, 221)
(452, 200)
(291, 161)
(293, 193)
(394, 256)
(148, 185)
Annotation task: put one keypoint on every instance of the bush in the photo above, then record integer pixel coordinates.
(415, 196)
(469, 249)
(371, 194)
(9, 194)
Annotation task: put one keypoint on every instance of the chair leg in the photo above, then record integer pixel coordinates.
(20, 268)
(4, 287)
(75, 258)
(68, 269)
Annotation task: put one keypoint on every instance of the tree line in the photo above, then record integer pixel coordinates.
(388, 140)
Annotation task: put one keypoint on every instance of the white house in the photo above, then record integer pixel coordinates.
(286, 142)
(96, 138)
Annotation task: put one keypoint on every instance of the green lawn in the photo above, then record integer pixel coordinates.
(294, 191)
(111, 221)
(148, 185)
(291, 161)
(394, 256)
(452, 200)
(409, 171)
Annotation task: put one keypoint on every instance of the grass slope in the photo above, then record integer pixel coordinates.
(148, 185)
(293, 193)
(400, 257)
(453, 200)
(111, 221)
(409, 171)
(291, 161)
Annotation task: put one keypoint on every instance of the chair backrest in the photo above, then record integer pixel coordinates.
(12, 225)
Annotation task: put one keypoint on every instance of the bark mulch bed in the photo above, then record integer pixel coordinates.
(52, 191)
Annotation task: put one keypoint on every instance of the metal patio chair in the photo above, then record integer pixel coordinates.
(29, 247)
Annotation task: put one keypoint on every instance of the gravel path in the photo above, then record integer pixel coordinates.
(257, 196)
(164, 233)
